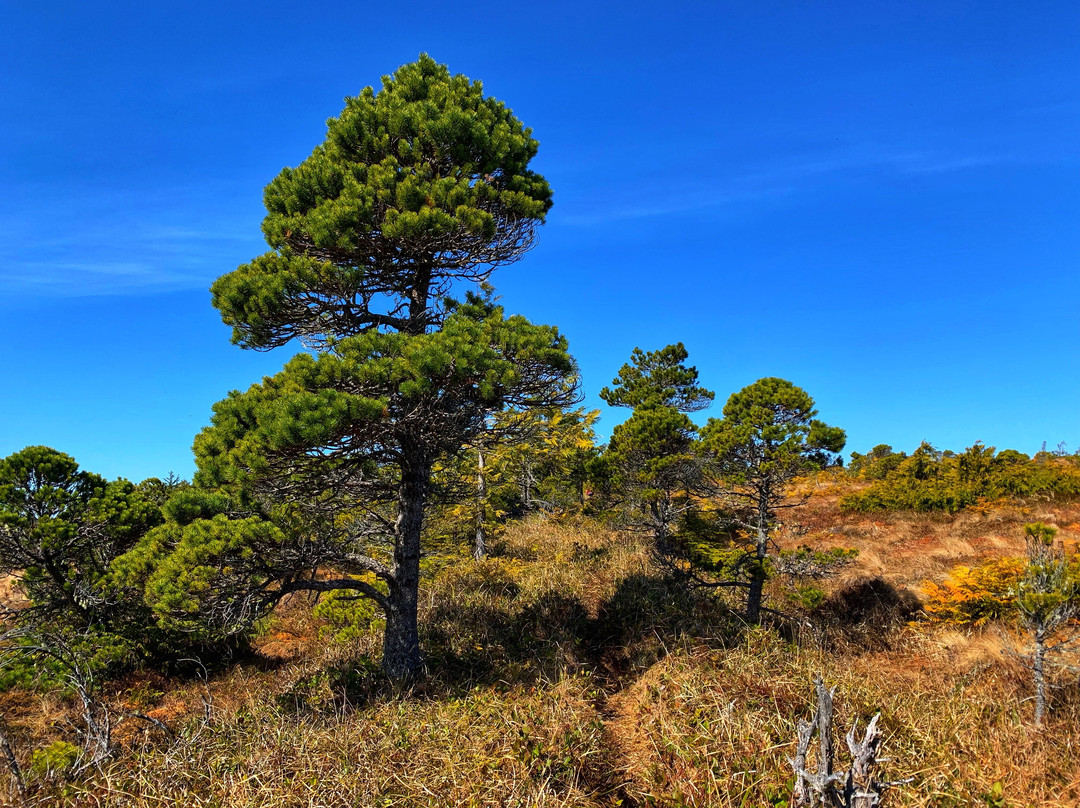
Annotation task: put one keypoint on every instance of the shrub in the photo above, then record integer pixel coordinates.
(975, 595)
(55, 760)
(930, 480)
(347, 615)
(864, 613)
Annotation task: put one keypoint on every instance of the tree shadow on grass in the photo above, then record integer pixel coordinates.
(863, 615)
(649, 615)
(505, 641)
(493, 635)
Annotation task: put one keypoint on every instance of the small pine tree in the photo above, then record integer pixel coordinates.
(652, 458)
(1048, 601)
(767, 437)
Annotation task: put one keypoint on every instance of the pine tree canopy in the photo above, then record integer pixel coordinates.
(768, 434)
(346, 414)
(61, 527)
(658, 379)
(418, 185)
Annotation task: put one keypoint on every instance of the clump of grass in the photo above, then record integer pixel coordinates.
(538, 746)
(715, 727)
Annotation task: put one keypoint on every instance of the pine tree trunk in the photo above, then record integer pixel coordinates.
(401, 642)
(525, 484)
(480, 548)
(753, 598)
(1039, 668)
(756, 591)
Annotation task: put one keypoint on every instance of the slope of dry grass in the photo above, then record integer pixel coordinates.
(566, 672)
(910, 548)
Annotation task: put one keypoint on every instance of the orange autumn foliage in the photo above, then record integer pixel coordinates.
(975, 595)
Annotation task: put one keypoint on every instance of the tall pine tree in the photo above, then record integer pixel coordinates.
(418, 187)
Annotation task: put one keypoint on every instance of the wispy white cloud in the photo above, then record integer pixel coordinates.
(92, 279)
(72, 242)
(115, 243)
(919, 163)
(692, 201)
(782, 179)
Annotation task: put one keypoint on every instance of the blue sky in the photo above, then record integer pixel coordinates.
(878, 201)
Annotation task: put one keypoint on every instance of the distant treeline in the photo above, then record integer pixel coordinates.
(933, 480)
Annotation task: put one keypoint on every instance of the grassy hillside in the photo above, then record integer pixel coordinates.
(566, 671)
(908, 548)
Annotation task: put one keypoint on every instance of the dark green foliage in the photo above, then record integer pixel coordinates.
(767, 437)
(188, 504)
(875, 464)
(658, 379)
(360, 399)
(62, 533)
(60, 530)
(930, 480)
(158, 490)
(194, 573)
(654, 447)
(654, 461)
(328, 428)
(417, 187)
(651, 459)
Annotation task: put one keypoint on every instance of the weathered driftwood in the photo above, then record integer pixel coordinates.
(801, 794)
(861, 789)
(855, 787)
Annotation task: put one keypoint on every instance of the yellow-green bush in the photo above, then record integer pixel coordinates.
(975, 595)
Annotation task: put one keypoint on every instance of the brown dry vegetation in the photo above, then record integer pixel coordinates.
(909, 548)
(566, 672)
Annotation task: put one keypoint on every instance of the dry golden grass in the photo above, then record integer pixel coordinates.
(715, 728)
(564, 671)
(910, 548)
(490, 747)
